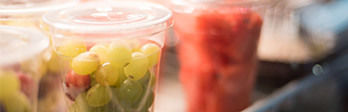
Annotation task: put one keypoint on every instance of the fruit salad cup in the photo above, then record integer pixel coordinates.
(28, 13)
(217, 52)
(110, 53)
(22, 53)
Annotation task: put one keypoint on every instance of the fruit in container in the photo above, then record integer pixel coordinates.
(137, 67)
(26, 84)
(85, 63)
(108, 74)
(118, 54)
(153, 53)
(71, 48)
(100, 50)
(9, 84)
(76, 84)
(130, 93)
(98, 96)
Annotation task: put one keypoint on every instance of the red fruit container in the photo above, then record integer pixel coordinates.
(217, 52)
(109, 54)
(22, 56)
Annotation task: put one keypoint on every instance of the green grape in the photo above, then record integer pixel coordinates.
(9, 84)
(121, 78)
(80, 104)
(72, 48)
(98, 96)
(148, 78)
(101, 51)
(129, 94)
(56, 64)
(107, 74)
(137, 67)
(118, 54)
(106, 108)
(85, 63)
(17, 102)
(153, 53)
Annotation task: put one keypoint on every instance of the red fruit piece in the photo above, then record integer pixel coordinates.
(75, 84)
(27, 84)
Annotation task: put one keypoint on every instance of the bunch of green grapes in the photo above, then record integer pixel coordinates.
(120, 76)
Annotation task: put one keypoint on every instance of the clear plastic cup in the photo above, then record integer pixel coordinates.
(217, 51)
(22, 53)
(27, 13)
(110, 53)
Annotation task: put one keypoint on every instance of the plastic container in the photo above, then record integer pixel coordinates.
(217, 51)
(110, 53)
(28, 12)
(22, 53)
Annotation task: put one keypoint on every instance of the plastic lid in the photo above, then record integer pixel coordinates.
(117, 17)
(18, 44)
(191, 5)
(220, 2)
(24, 7)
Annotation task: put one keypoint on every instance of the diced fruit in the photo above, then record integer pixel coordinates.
(119, 54)
(137, 67)
(17, 102)
(75, 84)
(26, 84)
(9, 84)
(101, 51)
(107, 74)
(153, 53)
(130, 93)
(71, 48)
(98, 96)
(223, 43)
(85, 63)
